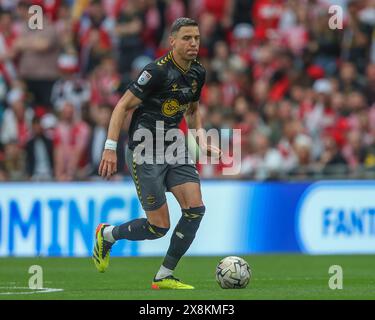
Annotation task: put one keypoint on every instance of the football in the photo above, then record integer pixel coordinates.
(233, 273)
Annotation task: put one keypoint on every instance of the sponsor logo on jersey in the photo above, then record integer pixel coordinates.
(171, 106)
(144, 78)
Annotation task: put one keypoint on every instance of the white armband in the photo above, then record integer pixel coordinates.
(110, 144)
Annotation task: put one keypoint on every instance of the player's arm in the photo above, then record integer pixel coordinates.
(148, 82)
(108, 164)
(194, 121)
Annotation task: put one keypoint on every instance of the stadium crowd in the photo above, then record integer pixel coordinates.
(302, 93)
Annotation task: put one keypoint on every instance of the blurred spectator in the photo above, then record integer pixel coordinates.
(325, 43)
(357, 37)
(129, 31)
(303, 168)
(294, 26)
(65, 28)
(354, 150)
(291, 130)
(70, 145)
(260, 93)
(321, 115)
(14, 161)
(369, 157)
(152, 24)
(210, 31)
(339, 104)
(242, 42)
(264, 162)
(280, 80)
(331, 160)
(70, 87)
(3, 89)
(38, 48)
(348, 80)
(3, 172)
(272, 122)
(16, 122)
(105, 83)
(242, 10)
(39, 154)
(266, 17)
(369, 88)
(212, 96)
(94, 32)
(221, 57)
(7, 39)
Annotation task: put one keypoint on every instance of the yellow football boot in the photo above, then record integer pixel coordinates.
(102, 249)
(169, 282)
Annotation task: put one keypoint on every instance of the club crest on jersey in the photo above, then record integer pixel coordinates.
(144, 78)
(194, 86)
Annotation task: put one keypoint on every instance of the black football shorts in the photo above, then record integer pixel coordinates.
(152, 180)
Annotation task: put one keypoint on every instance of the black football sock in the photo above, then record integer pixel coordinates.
(138, 229)
(183, 235)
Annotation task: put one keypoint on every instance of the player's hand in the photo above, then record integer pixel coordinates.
(108, 164)
(212, 151)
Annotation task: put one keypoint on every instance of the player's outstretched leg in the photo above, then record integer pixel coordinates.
(182, 237)
(107, 235)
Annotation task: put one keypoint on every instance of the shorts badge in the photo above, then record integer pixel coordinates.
(150, 199)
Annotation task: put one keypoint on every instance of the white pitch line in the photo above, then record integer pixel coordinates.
(42, 290)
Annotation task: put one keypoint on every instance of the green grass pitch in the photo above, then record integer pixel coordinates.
(274, 277)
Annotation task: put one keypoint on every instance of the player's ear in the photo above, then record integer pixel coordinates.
(172, 39)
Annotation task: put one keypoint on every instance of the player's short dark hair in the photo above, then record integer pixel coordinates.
(182, 22)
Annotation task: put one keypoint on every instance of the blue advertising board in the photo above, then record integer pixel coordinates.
(59, 219)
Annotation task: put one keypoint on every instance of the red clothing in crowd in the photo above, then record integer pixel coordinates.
(113, 7)
(266, 16)
(104, 38)
(50, 7)
(72, 137)
(7, 68)
(217, 8)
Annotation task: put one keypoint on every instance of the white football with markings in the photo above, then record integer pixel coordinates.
(233, 273)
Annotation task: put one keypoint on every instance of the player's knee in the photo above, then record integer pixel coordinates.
(159, 222)
(156, 232)
(190, 221)
(194, 213)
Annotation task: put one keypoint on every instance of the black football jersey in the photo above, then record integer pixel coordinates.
(166, 90)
